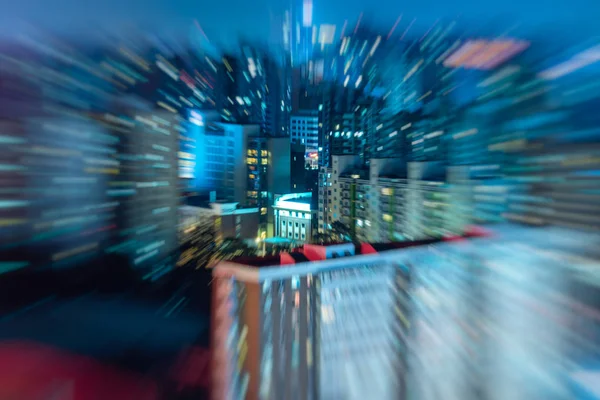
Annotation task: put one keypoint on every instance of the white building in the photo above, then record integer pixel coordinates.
(293, 217)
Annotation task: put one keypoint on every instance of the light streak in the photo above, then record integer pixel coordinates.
(394, 27)
(429, 30)
(358, 22)
(344, 28)
(201, 30)
(407, 28)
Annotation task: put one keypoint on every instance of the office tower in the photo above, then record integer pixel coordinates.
(256, 89)
(229, 75)
(322, 323)
(277, 95)
(293, 217)
(218, 153)
(304, 130)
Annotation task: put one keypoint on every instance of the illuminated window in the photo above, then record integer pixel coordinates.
(264, 153)
(252, 194)
(387, 217)
(386, 191)
(263, 211)
(252, 160)
(252, 153)
(264, 161)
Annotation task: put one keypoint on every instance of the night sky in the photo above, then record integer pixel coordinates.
(223, 21)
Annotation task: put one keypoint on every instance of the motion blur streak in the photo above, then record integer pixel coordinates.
(313, 200)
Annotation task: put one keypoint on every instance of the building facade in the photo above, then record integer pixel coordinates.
(297, 326)
(293, 217)
(304, 130)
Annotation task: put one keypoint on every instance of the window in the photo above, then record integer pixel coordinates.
(296, 224)
(251, 160)
(329, 192)
(264, 161)
(290, 223)
(263, 211)
(252, 153)
(304, 225)
(386, 191)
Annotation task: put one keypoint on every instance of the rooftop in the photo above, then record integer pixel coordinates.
(295, 201)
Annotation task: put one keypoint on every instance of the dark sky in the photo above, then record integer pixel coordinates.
(223, 20)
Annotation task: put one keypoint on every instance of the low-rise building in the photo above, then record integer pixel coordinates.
(293, 217)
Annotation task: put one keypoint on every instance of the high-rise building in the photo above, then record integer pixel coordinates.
(146, 187)
(329, 194)
(391, 200)
(304, 130)
(267, 175)
(327, 322)
(399, 320)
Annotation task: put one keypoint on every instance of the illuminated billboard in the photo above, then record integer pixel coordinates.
(485, 54)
